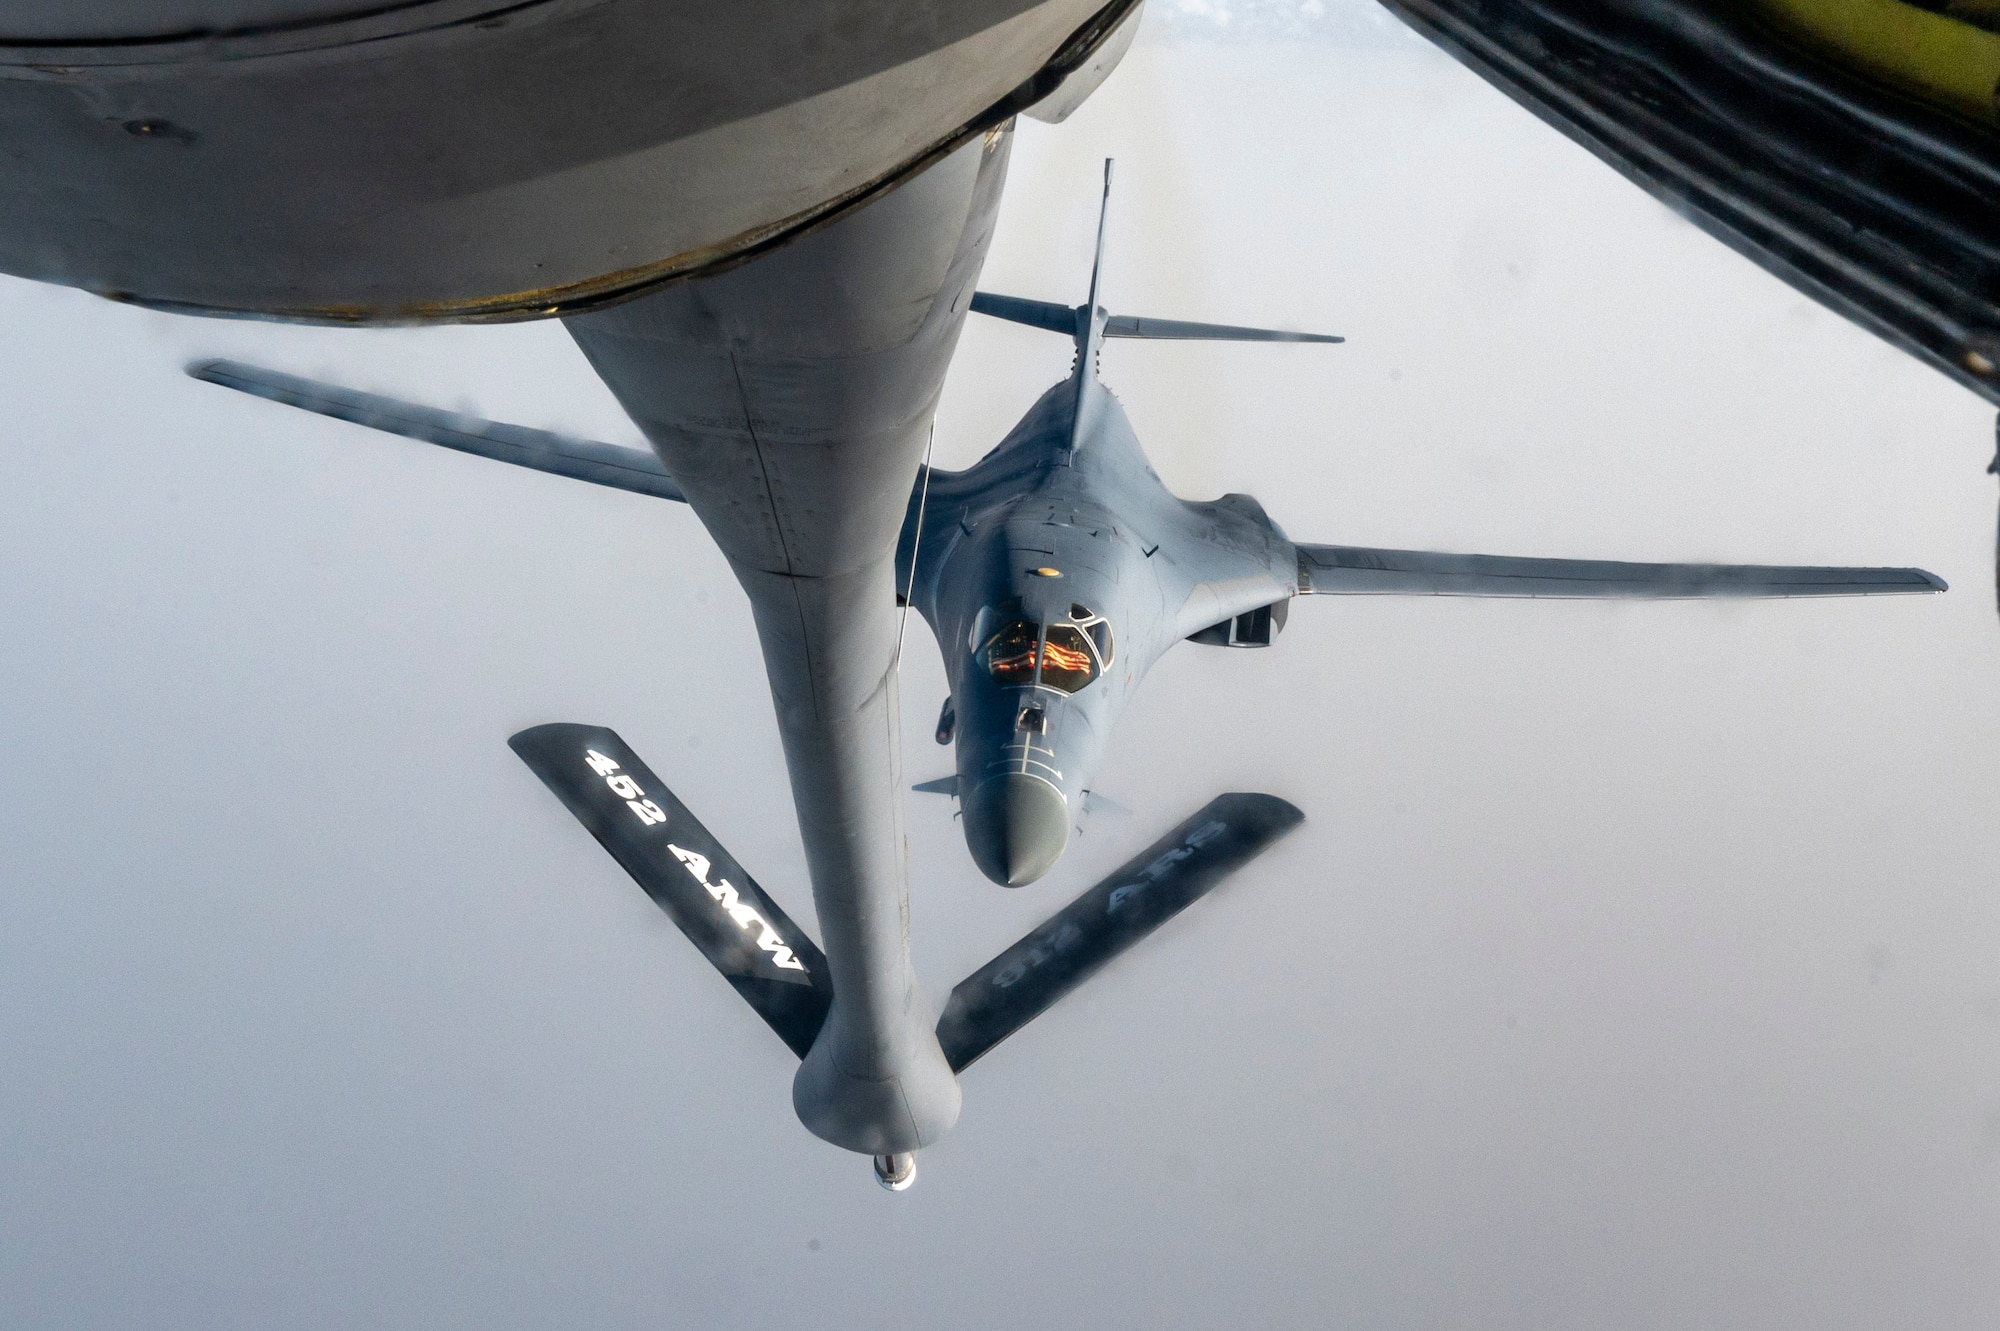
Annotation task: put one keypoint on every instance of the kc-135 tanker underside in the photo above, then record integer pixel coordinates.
(369, 161)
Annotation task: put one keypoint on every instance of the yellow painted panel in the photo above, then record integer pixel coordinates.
(1939, 58)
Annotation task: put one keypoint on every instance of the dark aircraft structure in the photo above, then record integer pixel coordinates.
(1054, 573)
(1850, 147)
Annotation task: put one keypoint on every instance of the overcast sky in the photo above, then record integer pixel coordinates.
(1637, 966)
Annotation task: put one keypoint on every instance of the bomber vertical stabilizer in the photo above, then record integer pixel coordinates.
(1090, 323)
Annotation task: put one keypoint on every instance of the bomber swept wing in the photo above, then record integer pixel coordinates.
(1352, 570)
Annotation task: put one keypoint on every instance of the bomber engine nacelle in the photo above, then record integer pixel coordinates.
(1252, 628)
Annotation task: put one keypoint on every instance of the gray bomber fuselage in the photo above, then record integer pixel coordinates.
(1074, 533)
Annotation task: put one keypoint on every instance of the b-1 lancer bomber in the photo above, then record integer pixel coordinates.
(1057, 570)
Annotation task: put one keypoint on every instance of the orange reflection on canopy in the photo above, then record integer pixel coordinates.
(1011, 653)
(1066, 660)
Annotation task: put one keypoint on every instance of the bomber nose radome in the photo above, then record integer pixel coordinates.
(1016, 827)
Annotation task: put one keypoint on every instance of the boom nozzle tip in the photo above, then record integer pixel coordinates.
(896, 1172)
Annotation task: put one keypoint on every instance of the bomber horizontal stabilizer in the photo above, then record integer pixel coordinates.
(636, 470)
(1177, 330)
(1075, 943)
(743, 933)
(1043, 314)
(1350, 570)
(1064, 319)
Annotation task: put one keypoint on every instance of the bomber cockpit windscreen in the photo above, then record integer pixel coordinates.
(1012, 654)
(1064, 655)
(1067, 660)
